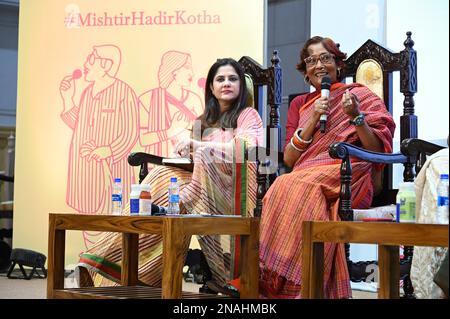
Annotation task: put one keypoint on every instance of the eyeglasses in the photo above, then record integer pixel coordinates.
(91, 58)
(325, 58)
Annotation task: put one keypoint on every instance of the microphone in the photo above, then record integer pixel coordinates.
(76, 74)
(325, 91)
(158, 210)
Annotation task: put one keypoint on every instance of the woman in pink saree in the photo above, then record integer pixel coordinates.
(226, 128)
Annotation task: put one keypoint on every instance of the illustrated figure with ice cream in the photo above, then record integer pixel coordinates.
(105, 129)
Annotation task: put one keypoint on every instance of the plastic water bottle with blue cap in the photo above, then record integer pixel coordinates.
(442, 200)
(174, 197)
(117, 197)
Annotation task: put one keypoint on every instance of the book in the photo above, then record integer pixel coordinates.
(176, 160)
(180, 162)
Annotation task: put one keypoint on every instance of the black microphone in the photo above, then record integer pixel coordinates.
(325, 91)
(158, 210)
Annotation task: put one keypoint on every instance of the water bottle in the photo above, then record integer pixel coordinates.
(442, 200)
(134, 199)
(406, 203)
(117, 197)
(145, 200)
(174, 197)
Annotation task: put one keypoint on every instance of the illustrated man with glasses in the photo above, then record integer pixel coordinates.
(105, 129)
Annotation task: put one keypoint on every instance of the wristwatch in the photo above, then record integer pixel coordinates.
(358, 120)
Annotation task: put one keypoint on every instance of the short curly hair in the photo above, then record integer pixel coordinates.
(330, 46)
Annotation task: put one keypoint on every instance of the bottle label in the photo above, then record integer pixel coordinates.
(174, 198)
(116, 197)
(145, 206)
(442, 201)
(406, 208)
(134, 206)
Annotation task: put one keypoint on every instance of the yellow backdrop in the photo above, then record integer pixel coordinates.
(56, 39)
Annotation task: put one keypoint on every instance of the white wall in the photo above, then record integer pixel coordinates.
(428, 22)
(352, 22)
(349, 22)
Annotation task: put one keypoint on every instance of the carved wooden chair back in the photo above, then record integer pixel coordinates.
(373, 65)
(267, 94)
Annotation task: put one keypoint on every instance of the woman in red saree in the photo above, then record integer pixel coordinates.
(311, 191)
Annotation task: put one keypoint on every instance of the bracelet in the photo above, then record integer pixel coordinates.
(299, 143)
(297, 134)
(295, 147)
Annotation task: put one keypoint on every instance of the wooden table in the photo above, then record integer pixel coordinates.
(173, 230)
(388, 236)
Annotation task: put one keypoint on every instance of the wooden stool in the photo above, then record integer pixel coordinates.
(388, 236)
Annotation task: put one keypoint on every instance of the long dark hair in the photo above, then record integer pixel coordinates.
(211, 117)
(331, 47)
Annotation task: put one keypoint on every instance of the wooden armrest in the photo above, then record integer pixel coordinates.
(139, 158)
(414, 146)
(343, 150)
(418, 150)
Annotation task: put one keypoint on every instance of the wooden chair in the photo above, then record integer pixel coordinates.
(380, 64)
(268, 157)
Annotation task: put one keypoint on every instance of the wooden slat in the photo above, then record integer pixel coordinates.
(131, 292)
(173, 258)
(376, 232)
(130, 256)
(56, 246)
(316, 282)
(250, 257)
(306, 260)
(389, 270)
(216, 225)
(129, 224)
(312, 265)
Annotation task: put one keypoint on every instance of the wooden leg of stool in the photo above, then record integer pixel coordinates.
(85, 279)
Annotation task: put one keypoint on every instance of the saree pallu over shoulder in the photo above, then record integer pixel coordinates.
(340, 130)
(217, 185)
(311, 192)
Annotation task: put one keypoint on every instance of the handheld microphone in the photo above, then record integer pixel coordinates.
(325, 91)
